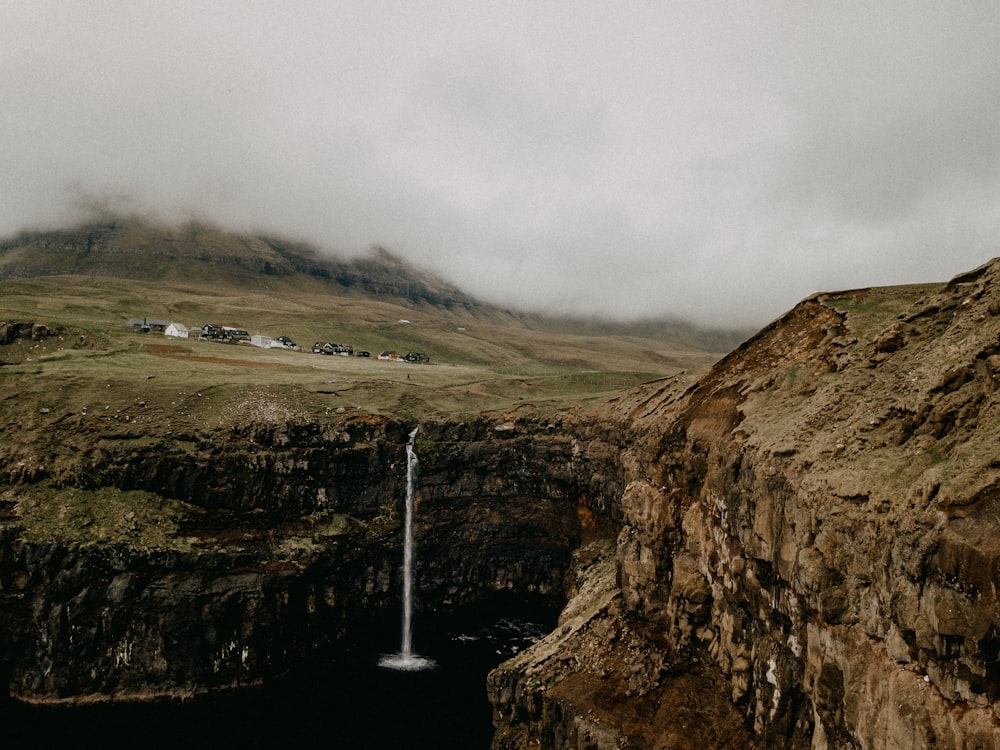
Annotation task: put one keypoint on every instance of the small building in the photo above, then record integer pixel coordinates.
(389, 356)
(264, 342)
(329, 348)
(145, 325)
(234, 334)
(211, 331)
(177, 330)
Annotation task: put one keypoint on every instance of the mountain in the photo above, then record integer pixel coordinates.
(204, 255)
(198, 252)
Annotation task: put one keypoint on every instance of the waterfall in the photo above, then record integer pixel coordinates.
(406, 659)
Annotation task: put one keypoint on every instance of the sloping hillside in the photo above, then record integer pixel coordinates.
(198, 255)
(196, 252)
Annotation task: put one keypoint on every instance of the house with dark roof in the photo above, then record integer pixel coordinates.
(145, 325)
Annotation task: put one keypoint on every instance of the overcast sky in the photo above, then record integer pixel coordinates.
(714, 160)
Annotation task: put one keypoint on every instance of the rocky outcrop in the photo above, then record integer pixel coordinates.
(811, 527)
(600, 681)
(10, 331)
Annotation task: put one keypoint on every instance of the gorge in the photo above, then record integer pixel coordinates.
(798, 550)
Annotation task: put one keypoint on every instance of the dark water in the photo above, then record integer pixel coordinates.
(349, 704)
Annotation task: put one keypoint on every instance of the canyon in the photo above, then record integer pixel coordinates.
(796, 550)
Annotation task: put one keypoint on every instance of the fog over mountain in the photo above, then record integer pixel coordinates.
(712, 160)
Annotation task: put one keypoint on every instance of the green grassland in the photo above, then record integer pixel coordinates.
(479, 362)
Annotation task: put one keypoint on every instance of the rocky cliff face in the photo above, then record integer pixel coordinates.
(172, 565)
(809, 541)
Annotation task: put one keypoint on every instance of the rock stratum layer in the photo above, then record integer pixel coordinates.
(809, 550)
(799, 550)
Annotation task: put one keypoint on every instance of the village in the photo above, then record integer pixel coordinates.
(233, 335)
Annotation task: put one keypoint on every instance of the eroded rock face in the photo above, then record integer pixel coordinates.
(814, 523)
(600, 680)
(12, 330)
(280, 542)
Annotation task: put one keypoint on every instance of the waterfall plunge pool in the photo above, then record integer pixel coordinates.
(348, 703)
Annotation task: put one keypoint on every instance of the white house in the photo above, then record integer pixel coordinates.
(177, 330)
(264, 342)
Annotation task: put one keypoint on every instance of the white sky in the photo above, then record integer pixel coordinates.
(714, 160)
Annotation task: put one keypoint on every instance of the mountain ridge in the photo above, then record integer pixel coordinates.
(201, 253)
(105, 249)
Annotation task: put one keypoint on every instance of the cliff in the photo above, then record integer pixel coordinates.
(135, 569)
(809, 545)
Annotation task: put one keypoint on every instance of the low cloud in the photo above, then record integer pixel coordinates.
(708, 161)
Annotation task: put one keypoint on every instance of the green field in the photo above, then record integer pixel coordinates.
(479, 362)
